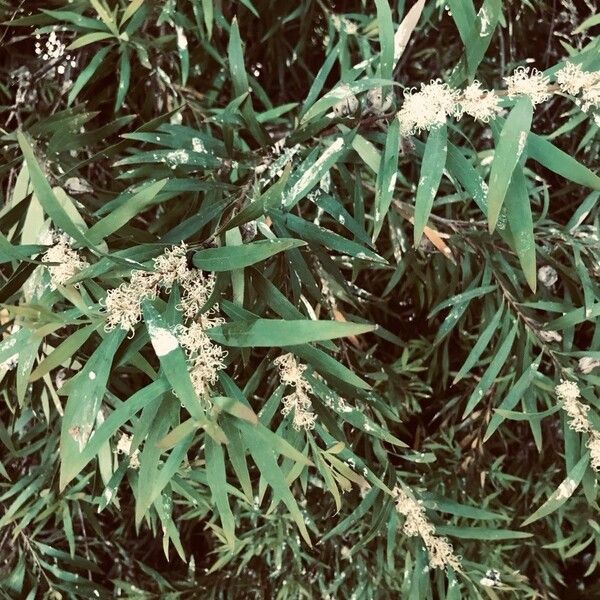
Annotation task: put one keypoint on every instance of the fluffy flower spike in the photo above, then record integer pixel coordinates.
(528, 82)
(291, 373)
(427, 108)
(441, 553)
(67, 261)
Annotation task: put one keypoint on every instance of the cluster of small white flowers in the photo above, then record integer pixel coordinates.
(124, 447)
(26, 92)
(441, 553)
(573, 80)
(67, 262)
(54, 50)
(53, 47)
(427, 108)
(292, 373)
(123, 304)
(480, 104)
(526, 81)
(205, 358)
(568, 394)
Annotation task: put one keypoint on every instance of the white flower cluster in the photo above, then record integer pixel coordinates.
(568, 394)
(434, 102)
(528, 82)
(573, 80)
(427, 108)
(292, 373)
(54, 50)
(66, 262)
(478, 103)
(441, 553)
(53, 47)
(430, 106)
(205, 358)
(123, 307)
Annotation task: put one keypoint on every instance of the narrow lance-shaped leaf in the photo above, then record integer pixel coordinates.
(84, 402)
(230, 258)
(562, 493)
(277, 332)
(432, 167)
(386, 177)
(520, 221)
(217, 481)
(511, 145)
(45, 194)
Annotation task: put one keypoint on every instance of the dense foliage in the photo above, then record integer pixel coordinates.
(293, 306)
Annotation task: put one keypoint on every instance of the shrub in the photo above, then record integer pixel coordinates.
(300, 299)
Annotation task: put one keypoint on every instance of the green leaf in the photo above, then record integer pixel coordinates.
(63, 353)
(139, 202)
(240, 82)
(173, 361)
(520, 221)
(310, 172)
(131, 9)
(560, 162)
(276, 332)
(217, 482)
(385, 25)
(512, 143)
(515, 394)
(124, 77)
(387, 174)
(488, 378)
(562, 493)
(89, 38)
(481, 533)
(110, 426)
(84, 402)
(480, 345)
(432, 167)
(269, 469)
(87, 74)
(46, 196)
(230, 258)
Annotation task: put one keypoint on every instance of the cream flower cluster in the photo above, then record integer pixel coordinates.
(66, 261)
(291, 373)
(573, 80)
(123, 307)
(568, 394)
(205, 358)
(528, 82)
(441, 553)
(433, 103)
